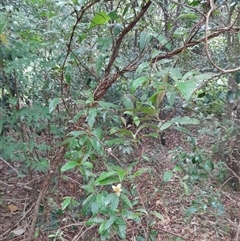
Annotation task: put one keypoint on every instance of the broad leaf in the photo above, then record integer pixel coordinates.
(99, 19)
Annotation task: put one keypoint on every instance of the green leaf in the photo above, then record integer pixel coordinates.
(141, 210)
(145, 38)
(143, 66)
(94, 221)
(109, 198)
(166, 125)
(122, 227)
(115, 141)
(92, 117)
(94, 208)
(66, 202)
(81, 38)
(102, 227)
(158, 215)
(208, 165)
(126, 200)
(114, 203)
(186, 88)
(137, 83)
(99, 19)
(191, 210)
(110, 222)
(185, 187)
(117, 29)
(69, 165)
(126, 132)
(140, 172)
(53, 103)
(121, 174)
(113, 15)
(186, 120)
(167, 176)
(107, 178)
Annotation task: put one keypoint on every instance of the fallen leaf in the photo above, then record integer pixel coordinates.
(12, 208)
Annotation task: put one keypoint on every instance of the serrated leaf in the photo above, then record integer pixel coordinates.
(69, 165)
(167, 176)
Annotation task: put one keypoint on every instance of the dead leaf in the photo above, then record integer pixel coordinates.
(13, 208)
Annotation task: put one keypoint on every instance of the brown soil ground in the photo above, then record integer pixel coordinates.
(18, 198)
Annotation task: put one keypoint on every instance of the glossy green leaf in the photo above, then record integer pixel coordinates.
(114, 203)
(66, 202)
(113, 15)
(126, 200)
(99, 19)
(69, 165)
(138, 83)
(94, 208)
(110, 222)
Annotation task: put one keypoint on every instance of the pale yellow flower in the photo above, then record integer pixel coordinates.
(117, 189)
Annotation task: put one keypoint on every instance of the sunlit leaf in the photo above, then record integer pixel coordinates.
(99, 19)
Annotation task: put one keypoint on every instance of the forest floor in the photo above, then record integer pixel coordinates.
(213, 208)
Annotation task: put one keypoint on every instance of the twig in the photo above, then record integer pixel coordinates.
(45, 186)
(15, 225)
(10, 166)
(206, 42)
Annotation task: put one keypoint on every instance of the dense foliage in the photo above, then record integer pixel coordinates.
(84, 82)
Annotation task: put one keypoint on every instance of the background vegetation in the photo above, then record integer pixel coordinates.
(119, 120)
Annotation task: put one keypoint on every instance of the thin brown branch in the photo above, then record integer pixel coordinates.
(212, 7)
(122, 35)
(45, 186)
